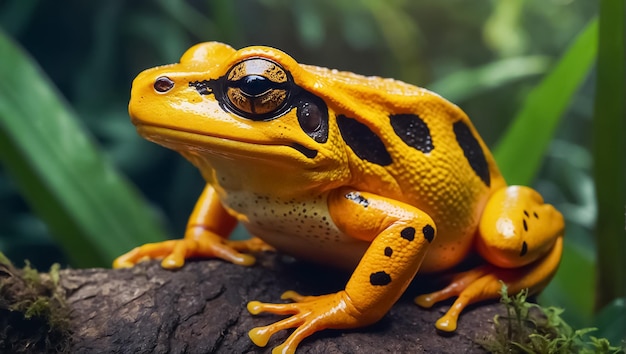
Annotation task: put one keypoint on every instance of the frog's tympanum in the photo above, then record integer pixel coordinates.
(373, 175)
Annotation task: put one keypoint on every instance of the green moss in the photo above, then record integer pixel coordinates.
(33, 314)
(530, 328)
(4, 260)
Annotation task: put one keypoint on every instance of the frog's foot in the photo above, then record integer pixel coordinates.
(309, 315)
(485, 282)
(198, 242)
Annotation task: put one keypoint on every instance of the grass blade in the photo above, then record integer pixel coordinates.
(92, 211)
(609, 126)
(519, 159)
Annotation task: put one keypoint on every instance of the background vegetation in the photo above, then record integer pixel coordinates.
(78, 186)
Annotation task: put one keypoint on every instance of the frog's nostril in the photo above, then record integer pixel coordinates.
(163, 84)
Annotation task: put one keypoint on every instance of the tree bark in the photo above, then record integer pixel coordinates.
(201, 308)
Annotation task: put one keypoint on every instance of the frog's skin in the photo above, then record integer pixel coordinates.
(369, 174)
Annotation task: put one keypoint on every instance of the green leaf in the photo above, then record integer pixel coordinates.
(92, 211)
(520, 151)
(609, 153)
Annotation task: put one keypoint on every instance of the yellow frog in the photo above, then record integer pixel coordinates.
(372, 175)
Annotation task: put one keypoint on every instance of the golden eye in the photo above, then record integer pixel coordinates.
(258, 89)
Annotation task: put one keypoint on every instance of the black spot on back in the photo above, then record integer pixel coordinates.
(380, 278)
(429, 233)
(363, 141)
(413, 131)
(472, 151)
(408, 233)
(388, 251)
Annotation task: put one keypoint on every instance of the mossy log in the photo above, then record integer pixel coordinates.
(201, 308)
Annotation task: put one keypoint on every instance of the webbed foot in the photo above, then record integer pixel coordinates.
(198, 242)
(309, 315)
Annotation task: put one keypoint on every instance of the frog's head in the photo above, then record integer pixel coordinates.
(247, 106)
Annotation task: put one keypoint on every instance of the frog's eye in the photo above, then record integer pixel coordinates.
(258, 89)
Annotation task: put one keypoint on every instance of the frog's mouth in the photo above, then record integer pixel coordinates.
(228, 147)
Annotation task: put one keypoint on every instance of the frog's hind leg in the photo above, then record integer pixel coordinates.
(521, 238)
(484, 283)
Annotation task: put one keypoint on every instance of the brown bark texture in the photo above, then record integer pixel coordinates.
(201, 308)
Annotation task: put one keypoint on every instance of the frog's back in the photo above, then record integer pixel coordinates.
(412, 145)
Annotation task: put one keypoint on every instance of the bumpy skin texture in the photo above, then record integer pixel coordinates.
(364, 173)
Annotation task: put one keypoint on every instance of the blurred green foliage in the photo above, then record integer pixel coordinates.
(486, 56)
(609, 150)
(91, 210)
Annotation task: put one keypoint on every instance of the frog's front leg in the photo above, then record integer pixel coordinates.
(206, 236)
(521, 238)
(399, 234)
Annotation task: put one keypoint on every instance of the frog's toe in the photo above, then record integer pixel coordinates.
(426, 301)
(117, 264)
(256, 307)
(458, 283)
(225, 252)
(261, 335)
(291, 295)
(447, 323)
(173, 261)
(296, 297)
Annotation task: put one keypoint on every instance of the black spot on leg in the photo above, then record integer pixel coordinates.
(357, 197)
(408, 233)
(473, 151)
(525, 225)
(524, 249)
(388, 251)
(363, 141)
(380, 278)
(413, 131)
(429, 233)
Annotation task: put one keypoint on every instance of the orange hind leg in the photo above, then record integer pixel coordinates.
(521, 238)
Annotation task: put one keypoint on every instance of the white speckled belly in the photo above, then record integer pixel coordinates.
(299, 227)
